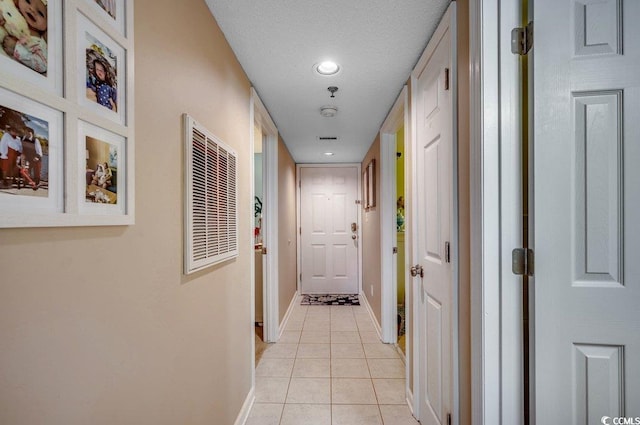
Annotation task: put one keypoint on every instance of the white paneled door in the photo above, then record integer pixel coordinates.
(433, 183)
(587, 211)
(329, 230)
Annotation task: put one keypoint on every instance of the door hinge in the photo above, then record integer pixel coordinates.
(358, 202)
(300, 277)
(447, 252)
(446, 78)
(395, 249)
(522, 39)
(448, 418)
(300, 229)
(522, 261)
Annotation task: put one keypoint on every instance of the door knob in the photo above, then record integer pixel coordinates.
(354, 237)
(417, 270)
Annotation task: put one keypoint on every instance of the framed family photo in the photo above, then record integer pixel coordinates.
(31, 42)
(31, 161)
(102, 171)
(113, 11)
(101, 86)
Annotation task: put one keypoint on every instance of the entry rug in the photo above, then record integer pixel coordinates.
(330, 299)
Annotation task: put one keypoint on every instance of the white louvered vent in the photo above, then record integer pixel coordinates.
(211, 212)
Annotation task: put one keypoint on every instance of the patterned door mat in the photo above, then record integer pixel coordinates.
(349, 299)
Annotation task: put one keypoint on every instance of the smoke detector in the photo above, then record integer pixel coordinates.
(328, 111)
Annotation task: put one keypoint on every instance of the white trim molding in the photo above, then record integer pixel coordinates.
(261, 118)
(388, 235)
(287, 315)
(243, 415)
(496, 214)
(363, 300)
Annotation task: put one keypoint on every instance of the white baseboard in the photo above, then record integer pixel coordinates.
(285, 319)
(410, 401)
(246, 408)
(365, 302)
(403, 357)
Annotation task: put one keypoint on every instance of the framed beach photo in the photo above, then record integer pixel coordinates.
(113, 11)
(31, 157)
(31, 42)
(101, 86)
(102, 171)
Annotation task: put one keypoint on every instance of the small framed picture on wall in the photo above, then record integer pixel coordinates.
(102, 85)
(113, 11)
(31, 166)
(31, 42)
(102, 171)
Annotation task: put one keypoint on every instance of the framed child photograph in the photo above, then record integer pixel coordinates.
(31, 42)
(102, 86)
(113, 11)
(31, 157)
(102, 171)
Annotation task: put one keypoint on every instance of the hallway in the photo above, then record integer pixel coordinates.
(330, 368)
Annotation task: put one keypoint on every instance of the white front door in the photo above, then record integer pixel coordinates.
(329, 242)
(586, 211)
(433, 183)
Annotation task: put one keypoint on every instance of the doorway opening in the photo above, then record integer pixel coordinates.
(400, 227)
(264, 225)
(258, 203)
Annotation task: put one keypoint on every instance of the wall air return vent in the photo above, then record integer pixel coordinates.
(211, 204)
(327, 138)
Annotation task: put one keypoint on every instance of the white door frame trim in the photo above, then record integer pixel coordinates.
(398, 118)
(299, 217)
(261, 116)
(451, 16)
(495, 322)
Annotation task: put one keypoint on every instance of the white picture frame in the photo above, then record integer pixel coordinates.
(14, 71)
(105, 9)
(94, 41)
(16, 203)
(60, 101)
(91, 139)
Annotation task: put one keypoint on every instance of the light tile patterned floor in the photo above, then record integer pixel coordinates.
(330, 368)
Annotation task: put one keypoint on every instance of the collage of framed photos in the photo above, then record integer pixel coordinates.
(66, 113)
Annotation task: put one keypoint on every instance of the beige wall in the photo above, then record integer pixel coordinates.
(98, 325)
(287, 266)
(371, 279)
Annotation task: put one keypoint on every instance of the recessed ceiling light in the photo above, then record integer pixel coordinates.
(327, 68)
(329, 153)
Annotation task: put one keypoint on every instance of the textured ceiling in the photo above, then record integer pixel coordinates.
(376, 43)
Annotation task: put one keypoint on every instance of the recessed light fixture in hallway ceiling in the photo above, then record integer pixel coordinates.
(327, 68)
(374, 44)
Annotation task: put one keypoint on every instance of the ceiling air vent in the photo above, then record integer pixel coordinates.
(327, 139)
